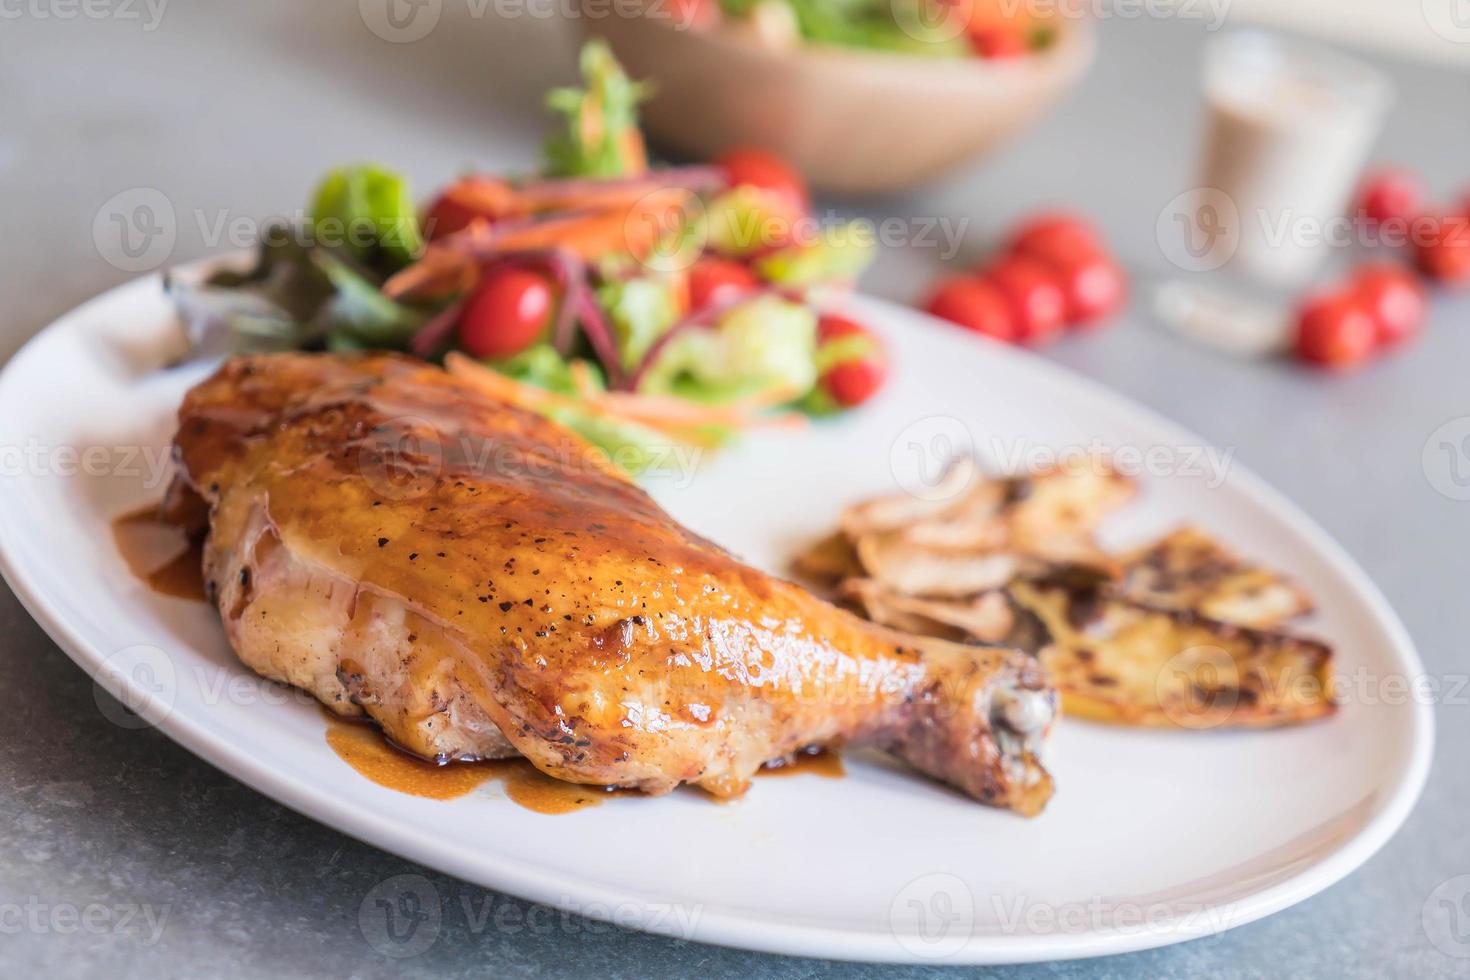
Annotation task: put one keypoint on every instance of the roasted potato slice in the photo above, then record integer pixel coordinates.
(1065, 503)
(976, 535)
(828, 561)
(895, 512)
(1190, 570)
(1121, 661)
(916, 570)
(988, 617)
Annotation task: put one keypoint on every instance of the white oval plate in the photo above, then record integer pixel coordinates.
(1152, 838)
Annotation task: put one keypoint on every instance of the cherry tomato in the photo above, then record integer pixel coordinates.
(831, 326)
(713, 281)
(1393, 297)
(445, 217)
(1093, 284)
(852, 381)
(1335, 331)
(1037, 302)
(998, 41)
(761, 168)
(508, 312)
(464, 201)
(1391, 194)
(975, 305)
(1055, 229)
(1442, 251)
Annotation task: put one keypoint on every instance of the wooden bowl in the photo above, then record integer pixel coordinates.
(853, 121)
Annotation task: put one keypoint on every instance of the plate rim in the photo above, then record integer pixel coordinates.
(742, 930)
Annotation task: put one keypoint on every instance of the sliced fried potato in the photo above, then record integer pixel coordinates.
(828, 561)
(989, 617)
(915, 570)
(1065, 503)
(898, 511)
(1190, 570)
(1121, 661)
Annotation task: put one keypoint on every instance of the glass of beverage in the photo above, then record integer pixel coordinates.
(1289, 126)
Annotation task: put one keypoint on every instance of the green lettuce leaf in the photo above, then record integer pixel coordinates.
(609, 102)
(639, 311)
(367, 211)
(763, 344)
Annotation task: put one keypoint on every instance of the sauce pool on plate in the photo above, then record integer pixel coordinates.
(823, 762)
(160, 553)
(362, 746)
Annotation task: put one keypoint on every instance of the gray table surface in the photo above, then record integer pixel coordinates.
(233, 109)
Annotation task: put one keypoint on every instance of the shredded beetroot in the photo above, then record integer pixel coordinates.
(600, 336)
(434, 333)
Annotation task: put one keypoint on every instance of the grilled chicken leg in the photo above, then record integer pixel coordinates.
(481, 583)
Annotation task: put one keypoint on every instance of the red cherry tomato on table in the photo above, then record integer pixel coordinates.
(1391, 194)
(713, 281)
(755, 167)
(1093, 284)
(1394, 299)
(1335, 331)
(852, 381)
(975, 305)
(1037, 303)
(1052, 230)
(1442, 249)
(508, 311)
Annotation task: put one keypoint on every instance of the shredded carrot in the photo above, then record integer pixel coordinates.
(583, 381)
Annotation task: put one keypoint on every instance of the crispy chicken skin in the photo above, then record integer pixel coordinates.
(481, 583)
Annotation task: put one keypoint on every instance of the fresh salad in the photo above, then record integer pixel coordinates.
(933, 28)
(633, 304)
